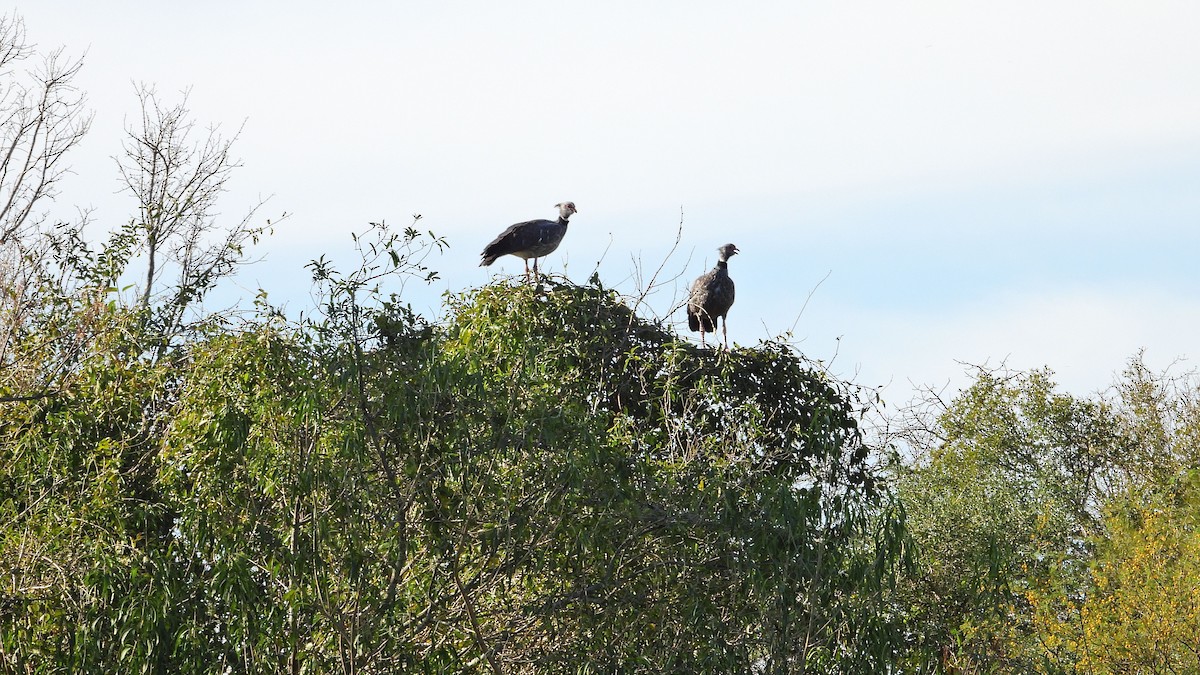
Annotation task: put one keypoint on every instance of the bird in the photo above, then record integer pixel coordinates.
(712, 296)
(530, 239)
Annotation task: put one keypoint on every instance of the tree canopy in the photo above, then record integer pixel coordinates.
(543, 482)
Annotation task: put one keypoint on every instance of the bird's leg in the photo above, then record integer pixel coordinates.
(535, 270)
(702, 336)
(725, 333)
(526, 270)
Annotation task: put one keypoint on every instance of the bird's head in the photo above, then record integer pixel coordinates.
(727, 251)
(565, 209)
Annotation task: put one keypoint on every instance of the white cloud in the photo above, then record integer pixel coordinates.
(646, 104)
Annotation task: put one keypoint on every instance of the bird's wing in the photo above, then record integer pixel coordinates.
(700, 288)
(516, 238)
(696, 301)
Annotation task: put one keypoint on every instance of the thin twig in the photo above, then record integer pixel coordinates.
(462, 592)
(807, 298)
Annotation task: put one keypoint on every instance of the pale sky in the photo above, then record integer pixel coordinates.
(949, 181)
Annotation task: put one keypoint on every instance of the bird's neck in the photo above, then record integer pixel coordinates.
(562, 220)
(722, 265)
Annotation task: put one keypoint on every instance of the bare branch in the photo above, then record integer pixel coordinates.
(177, 179)
(42, 117)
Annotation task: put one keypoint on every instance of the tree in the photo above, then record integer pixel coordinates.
(87, 383)
(42, 117)
(543, 481)
(54, 281)
(177, 182)
(1140, 610)
(1004, 498)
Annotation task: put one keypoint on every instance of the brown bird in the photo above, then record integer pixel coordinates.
(712, 296)
(531, 239)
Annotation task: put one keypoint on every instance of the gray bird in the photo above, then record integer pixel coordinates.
(712, 296)
(531, 239)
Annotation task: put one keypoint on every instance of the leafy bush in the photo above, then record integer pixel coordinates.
(544, 482)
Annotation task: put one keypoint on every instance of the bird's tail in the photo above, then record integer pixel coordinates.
(693, 321)
(488, 260)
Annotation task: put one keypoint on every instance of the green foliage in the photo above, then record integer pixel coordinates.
(728, 489)
(1142, 613)
(82, 514)
(1056, 533)
(544, 482)
(1002, 505)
